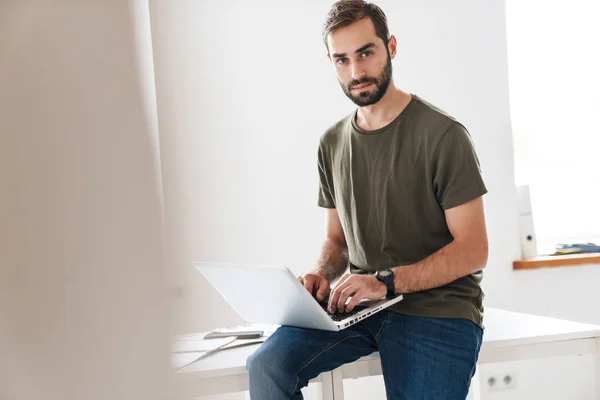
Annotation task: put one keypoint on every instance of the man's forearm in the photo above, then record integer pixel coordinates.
(333, 259)
(451, 262)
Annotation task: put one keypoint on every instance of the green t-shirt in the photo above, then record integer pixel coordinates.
(390, 188)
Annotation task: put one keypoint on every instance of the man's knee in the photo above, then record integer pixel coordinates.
(265, 360)
(253, 362)
(271, 371)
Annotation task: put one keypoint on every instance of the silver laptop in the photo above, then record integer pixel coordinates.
(273, 295)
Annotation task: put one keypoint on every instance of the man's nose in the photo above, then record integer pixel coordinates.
(357, 72)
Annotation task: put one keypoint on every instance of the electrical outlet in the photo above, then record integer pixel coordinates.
(501, 381)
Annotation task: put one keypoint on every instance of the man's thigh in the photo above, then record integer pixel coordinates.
(305, 353)
(428, 358)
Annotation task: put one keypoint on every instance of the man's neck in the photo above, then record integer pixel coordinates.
(383, 112)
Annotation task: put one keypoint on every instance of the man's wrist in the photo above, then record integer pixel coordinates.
(382, 287)
(399, 282)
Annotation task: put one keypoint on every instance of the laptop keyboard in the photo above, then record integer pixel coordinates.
(338, 316)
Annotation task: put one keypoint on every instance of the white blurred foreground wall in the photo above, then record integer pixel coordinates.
(83, 307)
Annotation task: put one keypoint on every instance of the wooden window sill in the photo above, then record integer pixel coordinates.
(557, 261)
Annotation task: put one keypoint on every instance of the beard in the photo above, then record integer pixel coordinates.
(369, 97)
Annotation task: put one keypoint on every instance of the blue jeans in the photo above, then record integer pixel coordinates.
(421, 358)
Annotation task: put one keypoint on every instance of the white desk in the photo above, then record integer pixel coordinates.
(509, 336)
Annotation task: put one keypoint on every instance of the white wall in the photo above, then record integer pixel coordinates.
(82, 252)
(244, 92)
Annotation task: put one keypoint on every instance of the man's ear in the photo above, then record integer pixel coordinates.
(392, 46)
(328, 56)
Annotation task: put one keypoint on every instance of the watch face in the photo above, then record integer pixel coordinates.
(384, 272)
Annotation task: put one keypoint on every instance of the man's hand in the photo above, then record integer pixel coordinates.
(358, 287)
(317, 285)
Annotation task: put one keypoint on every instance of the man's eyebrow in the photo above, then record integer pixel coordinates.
(360, 50)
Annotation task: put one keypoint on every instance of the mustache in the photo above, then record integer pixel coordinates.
(362, 82)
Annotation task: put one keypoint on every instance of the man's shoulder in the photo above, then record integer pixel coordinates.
(432, 118)
(437, 126)
(333, 134)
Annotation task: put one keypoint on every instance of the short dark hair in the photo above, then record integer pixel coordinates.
(346, 12)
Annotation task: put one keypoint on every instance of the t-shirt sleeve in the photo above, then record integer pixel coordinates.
(326, 197)
(457, 176)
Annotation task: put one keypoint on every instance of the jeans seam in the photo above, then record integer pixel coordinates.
(476, 357)
(324, 349)
(385, 322)
(385, 382)
(388, 395)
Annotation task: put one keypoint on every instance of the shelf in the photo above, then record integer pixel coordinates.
(557, 261)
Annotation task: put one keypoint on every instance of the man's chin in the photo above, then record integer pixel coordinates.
(363, 101)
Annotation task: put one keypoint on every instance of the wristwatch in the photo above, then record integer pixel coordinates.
(387, 277)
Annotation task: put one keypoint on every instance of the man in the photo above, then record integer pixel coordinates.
(403, 191)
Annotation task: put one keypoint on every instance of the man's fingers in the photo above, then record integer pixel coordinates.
(323, 289)
(355, 299)
(339, 285)
(310, 286)
(307, 283)
(333, 298)
(344, 294)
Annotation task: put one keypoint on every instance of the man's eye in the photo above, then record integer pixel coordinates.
(342, 60)
(366, 53)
